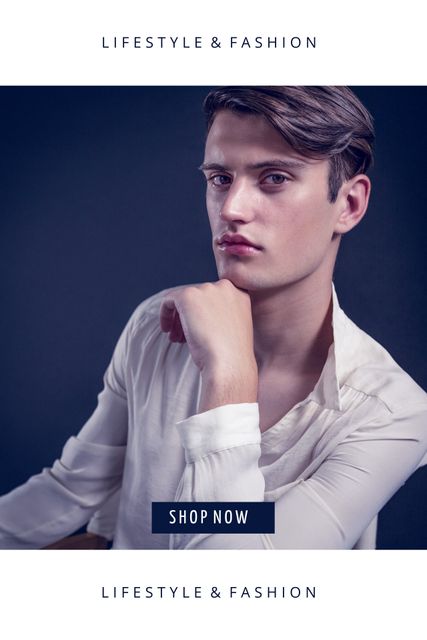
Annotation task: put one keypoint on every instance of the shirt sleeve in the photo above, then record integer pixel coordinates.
(222, 448)
(329, 510)
(104, 520)
(62, 498)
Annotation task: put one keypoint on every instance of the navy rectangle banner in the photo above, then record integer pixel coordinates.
(212, 517)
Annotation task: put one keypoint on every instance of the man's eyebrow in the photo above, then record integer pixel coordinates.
(274, 163)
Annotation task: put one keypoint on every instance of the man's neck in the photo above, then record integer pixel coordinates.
(293, 326)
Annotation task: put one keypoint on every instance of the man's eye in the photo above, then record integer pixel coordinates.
(219, 180)
(275, 179)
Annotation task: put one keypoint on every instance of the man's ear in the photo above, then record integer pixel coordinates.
(354, 198)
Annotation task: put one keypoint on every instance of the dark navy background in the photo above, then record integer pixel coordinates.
(101, 205)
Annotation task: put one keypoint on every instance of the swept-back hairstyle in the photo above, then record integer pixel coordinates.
(318, 122)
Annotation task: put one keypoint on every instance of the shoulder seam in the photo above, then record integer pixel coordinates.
(369, 395)
(383, 402)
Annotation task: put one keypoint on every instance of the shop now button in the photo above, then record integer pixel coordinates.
(213, 517)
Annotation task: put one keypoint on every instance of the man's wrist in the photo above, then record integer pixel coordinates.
(224, 385)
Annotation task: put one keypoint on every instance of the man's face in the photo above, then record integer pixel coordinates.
(261, 192)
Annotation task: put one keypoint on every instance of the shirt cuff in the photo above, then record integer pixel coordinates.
(224, 427)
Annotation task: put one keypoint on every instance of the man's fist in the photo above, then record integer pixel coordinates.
(216, 322)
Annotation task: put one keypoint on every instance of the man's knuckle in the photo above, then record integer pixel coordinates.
(188, 293)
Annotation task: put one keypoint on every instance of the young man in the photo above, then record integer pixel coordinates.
(255, 387)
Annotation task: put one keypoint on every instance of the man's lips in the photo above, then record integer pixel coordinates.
(235, 244)
(236, 238)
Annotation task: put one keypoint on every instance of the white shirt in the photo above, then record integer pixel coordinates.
(330, 464)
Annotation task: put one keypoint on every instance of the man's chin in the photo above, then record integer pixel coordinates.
(253, 284)
(239, 280)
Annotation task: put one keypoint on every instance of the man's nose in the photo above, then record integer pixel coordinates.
(238, 204)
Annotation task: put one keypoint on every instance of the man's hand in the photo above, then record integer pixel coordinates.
(216, 322)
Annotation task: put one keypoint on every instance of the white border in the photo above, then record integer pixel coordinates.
(360, 594)
(366, 594)
(363, 42)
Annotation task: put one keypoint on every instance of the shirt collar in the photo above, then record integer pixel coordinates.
(328, 390)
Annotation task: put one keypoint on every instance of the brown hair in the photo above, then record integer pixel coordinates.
(318, 122)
